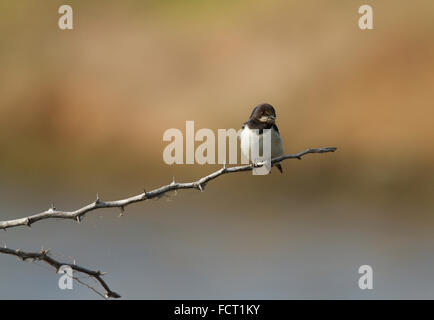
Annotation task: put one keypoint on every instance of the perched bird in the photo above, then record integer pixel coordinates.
(262, 117)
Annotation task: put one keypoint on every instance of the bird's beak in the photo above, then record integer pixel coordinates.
(271, 119)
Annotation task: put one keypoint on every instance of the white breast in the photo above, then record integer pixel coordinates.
(249, 137)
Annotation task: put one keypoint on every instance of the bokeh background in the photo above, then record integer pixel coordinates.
(83, 112)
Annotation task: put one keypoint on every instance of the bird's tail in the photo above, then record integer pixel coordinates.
(279, 167)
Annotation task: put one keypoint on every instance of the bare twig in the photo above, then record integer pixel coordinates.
(79, 214)
(43, 256)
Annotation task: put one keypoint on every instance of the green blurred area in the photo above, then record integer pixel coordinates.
(90, 106)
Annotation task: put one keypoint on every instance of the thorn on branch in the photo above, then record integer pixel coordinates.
(98, 200)
(122, 208)
(78, 219)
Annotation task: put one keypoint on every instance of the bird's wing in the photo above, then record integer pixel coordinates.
(275, 128)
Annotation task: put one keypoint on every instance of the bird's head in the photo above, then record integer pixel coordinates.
(264, 113)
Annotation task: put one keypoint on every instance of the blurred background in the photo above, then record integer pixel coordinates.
(84, 111)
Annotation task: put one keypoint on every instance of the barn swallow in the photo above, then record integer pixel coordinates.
(262, 117)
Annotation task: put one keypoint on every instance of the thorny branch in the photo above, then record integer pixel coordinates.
(79, 214)
(200, 184)
(43, 256)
